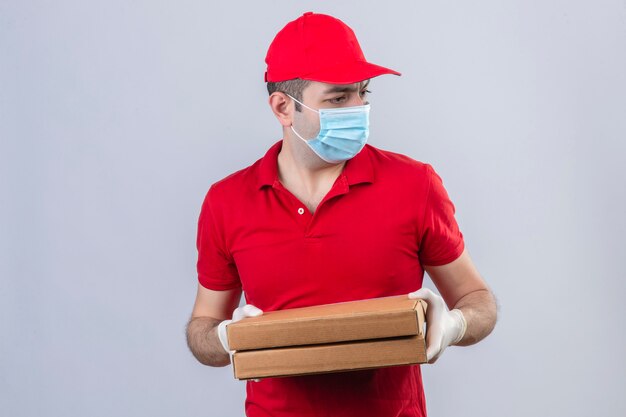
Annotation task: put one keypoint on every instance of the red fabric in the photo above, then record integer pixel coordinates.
(321, 48)
(385, 216)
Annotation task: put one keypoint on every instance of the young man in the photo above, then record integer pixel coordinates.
(323, 218)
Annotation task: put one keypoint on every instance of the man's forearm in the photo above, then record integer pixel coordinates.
(480, 311)
(204, 343)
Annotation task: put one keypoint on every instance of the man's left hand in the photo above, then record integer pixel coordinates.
(443, 327)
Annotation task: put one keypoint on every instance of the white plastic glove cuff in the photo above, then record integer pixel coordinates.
(221, 333)
(463, 325)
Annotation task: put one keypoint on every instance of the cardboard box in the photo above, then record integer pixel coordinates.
(355, 320)
(338, 337)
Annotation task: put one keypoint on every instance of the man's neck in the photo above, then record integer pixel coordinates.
(303, 173)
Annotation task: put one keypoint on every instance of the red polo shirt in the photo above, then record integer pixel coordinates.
(385, 216)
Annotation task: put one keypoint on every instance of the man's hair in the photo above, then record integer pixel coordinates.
(292, 87)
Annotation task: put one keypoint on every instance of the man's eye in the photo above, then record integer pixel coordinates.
(364, 92)
(337, 99)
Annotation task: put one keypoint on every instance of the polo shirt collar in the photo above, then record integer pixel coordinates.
(356, 171)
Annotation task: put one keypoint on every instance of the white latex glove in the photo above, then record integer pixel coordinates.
(443, 327)
(239, 313)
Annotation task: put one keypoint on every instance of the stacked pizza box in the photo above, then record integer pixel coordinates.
(354, 335)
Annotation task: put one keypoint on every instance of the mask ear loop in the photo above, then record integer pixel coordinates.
(294, 130)
(297, 101)
(298, 135)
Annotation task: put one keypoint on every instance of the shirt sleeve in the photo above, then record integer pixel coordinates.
(441, 240)
(216, 267)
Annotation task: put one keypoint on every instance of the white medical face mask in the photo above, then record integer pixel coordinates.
(343, 132)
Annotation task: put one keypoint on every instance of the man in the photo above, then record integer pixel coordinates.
(325, 218)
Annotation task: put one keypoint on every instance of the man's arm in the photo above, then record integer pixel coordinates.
(211, 307)
(462, 287)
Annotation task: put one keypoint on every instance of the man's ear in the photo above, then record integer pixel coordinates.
(282, 107)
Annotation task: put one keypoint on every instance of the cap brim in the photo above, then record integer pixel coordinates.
(353, 72)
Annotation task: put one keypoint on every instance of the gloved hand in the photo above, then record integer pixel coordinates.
(443, 327)
(239, 313)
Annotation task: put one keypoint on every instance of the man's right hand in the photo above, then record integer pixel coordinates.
(206, 329)
(247, 310)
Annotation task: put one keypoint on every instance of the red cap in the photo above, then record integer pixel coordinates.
(319, 47)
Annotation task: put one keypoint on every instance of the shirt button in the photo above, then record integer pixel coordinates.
(300, 210)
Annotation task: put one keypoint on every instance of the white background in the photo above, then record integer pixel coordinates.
(116, 117)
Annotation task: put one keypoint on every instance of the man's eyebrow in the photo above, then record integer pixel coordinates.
(345, 88)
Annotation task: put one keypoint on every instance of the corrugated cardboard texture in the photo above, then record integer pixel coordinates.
(355, 320)
(334, 357)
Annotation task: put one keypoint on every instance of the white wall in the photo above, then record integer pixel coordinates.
(115, 117)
